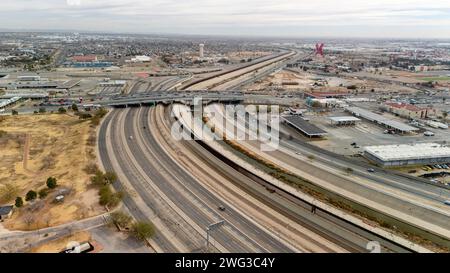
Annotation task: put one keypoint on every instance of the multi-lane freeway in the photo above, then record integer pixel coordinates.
(184, 186)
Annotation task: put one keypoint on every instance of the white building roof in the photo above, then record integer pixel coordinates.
(4, 103)
(344, 119)
(359, 112)
(408, 151)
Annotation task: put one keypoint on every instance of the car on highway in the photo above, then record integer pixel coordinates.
(428, 134)
(447, 202)
(131, 137)
(371, 170)
(221, 208)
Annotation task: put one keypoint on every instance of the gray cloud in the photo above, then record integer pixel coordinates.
(259, 17)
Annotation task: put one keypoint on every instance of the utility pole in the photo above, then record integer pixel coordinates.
(211, 228)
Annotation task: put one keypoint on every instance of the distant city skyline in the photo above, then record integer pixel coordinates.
(288, 18)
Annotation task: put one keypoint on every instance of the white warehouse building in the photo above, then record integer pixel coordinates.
(408, 154)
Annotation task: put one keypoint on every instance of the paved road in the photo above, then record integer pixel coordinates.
(428, 215)
(320, 225)
(148, 164)
(106, 134)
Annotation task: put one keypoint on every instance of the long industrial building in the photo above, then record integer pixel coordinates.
(408, 154)
(379, 119)
(306, 128)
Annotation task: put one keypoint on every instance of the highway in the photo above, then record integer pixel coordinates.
(244, 194)
(407, 205)
(218, 82)
(187, 202)
(181, 192)
(320, 224)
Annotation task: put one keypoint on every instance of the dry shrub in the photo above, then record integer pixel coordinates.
(8, 193)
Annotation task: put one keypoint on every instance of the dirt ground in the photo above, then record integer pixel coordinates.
(285, 80)
(239, 55)
(36, 147)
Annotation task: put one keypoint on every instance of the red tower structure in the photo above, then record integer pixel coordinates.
(319, 49)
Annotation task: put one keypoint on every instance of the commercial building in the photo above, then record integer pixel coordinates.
(113, 83)
(140, 59)
(409, 111)
(408, 154)
(7, 102)
(84, 58)
(30, 85)
(29, 78)
(326, 103)
(25, 95)
(381, 120)
(344, 121)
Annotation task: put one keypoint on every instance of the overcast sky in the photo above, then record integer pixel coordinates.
(297, 18)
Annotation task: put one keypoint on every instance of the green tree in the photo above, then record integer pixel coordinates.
(31, 195)
(121, 219)
(42, 110)
(14, 112)
(74, 107)
(19, 202)
(106, 194)
(85, 116)
(51, 183)
(143, 230)
(43, 193)
(62, 110)
(98, 179)
(110, 177)
(108, 197)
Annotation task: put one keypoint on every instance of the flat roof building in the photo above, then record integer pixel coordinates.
(346, 120)
(408, 154)
(6, 102)
(84, 58)
(304, 126)
(379, 119)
